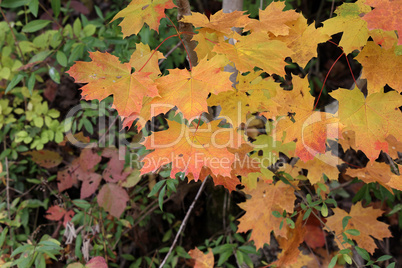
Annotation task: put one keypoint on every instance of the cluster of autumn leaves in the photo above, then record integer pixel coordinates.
(198, 148)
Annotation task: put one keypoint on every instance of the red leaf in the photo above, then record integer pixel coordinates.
(90, 185)
(113, 199)
(97, 262)
(55, 213)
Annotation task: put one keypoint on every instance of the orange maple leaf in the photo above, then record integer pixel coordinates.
(290, 243)
(139, 12)
(106, 76)
(189, 149)
(270, 197)
(364, 220)
(188, 90)
(201, 260)
(377, 172)
(372, 118)
(387, 15)
(309, 129)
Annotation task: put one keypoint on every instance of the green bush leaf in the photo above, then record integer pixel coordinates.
(35, 25)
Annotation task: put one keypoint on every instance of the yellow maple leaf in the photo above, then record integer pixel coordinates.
(139, 12)
(273, 19)
(372, 118)
(379, 65)
(349, 14)
(188, 90)
(258, 50)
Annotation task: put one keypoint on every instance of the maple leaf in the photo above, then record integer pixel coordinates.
(273, 20)
(201, 260)
(394, 146)
(372, 118)
(387, 15)
(106, 76)
(227, 182)
(349, 14)
(278, 197)
(146, 60)
(204, 45)
(188, 90)
(235, 106)
(377, 172)
(258, 50)
(45, 158)
(364, 220)
(309, 129)
(139, 12)
(290, 244)
(189, 149)
(303, 40)
(319, 165)
(386, 39)
(379, 67)
(219, 22)
(113, 199)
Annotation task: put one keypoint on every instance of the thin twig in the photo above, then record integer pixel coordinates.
(183, 224)
(170, 52)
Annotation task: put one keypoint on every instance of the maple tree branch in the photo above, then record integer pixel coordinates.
(183, 224)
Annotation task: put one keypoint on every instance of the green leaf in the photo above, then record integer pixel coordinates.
(89, 30)
(61, 58)
(39, 57)
(14, 3)
(276, 214)
(3, 236)
(353, 232)
(55, 75)
(31, 83)
(161, 196)
(391, 265)
(384, 258)
(34, 7)
(347, 258)
(345, 221)
(56, 7)
(324, 210)
(35, 25)
(363, 253)
(333, 262)
(307, 214)
(77, 27)
(156, 188)
(16, 79)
